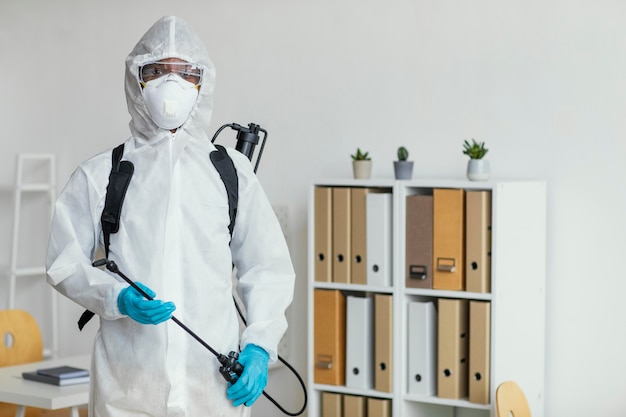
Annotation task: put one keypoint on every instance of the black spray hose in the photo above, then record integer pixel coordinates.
(291, 368)
(231, 369)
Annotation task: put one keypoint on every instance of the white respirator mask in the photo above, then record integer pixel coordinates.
(169, 100)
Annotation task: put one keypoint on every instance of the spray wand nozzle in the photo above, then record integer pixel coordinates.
(231, 369)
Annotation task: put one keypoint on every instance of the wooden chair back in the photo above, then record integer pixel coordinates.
(20, 342)
(511, 401)
(21, 338)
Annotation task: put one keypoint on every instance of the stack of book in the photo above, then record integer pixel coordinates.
(61, 375)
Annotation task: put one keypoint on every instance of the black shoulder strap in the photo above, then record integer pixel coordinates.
(119, 179)
(225, 167)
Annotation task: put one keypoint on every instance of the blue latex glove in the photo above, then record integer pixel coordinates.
(133, 304)
(253, 379)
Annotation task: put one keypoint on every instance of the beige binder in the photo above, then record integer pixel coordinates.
(358, 265)
(341, 234)
(449, 239)
(452, 333)
(358, 233)
(329, 333)
(323, 233)
(354, 406)
(479, 351)
(383, 345)
(332, 405)
(478, 241)
(419, 241)
(378, 407)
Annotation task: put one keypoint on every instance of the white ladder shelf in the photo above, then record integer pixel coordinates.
(47, 186)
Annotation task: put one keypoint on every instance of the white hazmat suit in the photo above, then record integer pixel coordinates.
(173, 238)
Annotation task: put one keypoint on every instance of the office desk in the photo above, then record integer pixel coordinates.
(16, 390)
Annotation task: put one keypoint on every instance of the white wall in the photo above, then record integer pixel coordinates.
(542, 82)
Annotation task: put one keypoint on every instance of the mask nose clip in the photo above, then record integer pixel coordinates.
(171, 77)
(159, 82)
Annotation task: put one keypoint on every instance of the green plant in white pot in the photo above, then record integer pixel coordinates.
(361, 164)
(477, 167)
(403, 168)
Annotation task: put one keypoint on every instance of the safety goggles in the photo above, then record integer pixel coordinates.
(185, 70)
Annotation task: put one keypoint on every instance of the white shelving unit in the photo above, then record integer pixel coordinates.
(517, 297)
(22, 187)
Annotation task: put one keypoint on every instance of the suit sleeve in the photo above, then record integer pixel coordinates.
(265, 272)
(72, 244)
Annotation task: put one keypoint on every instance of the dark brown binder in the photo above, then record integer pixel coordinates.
(449, 239)
(323, 200)
(419, 241)
(341, 234)
(478, 241)
(329, 333)
(479, 351)
(453, 336)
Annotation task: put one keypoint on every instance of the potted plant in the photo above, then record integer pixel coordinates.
(361, 164)
(403, 169)
(477, 168)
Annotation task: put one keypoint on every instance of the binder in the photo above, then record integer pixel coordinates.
(378, 233)
(422, 348)
(341, 234)
(354, 406)
(452, 329)
(332, 405)
(378, 407)
(359, 342)
(322, 204)
(63, 372)
(419, 241)
(383, 345)
(358, 227)
(35, 376)
(358, 258)
(448, 239)
(478, 241)
(329, 333)
(479, 351)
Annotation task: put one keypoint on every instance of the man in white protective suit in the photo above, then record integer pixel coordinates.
(174, 239)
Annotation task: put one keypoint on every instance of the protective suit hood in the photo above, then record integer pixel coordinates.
(169, 37)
